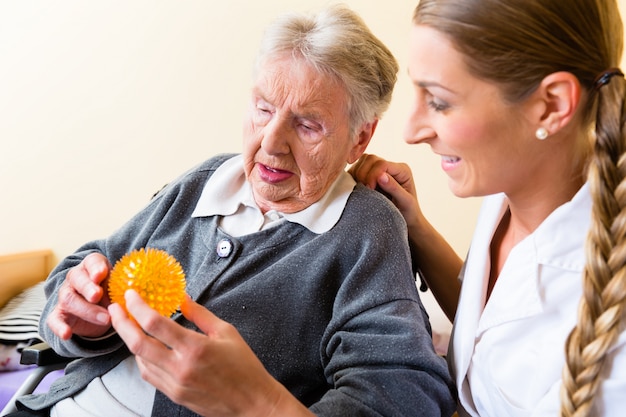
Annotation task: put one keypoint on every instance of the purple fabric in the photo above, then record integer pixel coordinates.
(10, 381)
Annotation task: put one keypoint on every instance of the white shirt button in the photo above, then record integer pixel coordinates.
(224, 248)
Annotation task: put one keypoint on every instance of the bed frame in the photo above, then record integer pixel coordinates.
(19, 271)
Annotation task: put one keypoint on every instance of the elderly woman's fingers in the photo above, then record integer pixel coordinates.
(78, 310)
(74, 315)
(86, 277)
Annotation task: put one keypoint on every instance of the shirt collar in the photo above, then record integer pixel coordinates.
(558, 239)
(228, 188)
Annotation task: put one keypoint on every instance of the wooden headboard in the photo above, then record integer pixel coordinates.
(21, 270)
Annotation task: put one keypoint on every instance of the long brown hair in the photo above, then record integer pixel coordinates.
(515, 44)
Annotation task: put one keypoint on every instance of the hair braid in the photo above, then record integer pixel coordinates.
(603, 305)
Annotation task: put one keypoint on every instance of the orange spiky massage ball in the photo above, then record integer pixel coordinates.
(154, 274)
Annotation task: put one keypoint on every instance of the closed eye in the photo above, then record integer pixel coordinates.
(263, 109)
(437, 105)
(310, 126)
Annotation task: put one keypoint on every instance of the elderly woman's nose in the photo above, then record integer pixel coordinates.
(275, 137)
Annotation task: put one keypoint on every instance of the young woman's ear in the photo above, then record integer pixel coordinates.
(558, 98)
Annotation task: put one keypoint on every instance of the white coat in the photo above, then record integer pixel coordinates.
(507, 356)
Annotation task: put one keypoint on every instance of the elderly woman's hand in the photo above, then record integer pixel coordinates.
(212, 373)
(394, 179)
(82, 300)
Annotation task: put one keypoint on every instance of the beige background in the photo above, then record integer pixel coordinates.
(102, 103)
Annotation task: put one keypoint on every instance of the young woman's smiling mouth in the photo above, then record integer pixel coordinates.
(448, 162)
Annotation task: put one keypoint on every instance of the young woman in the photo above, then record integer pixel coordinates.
(524, 102)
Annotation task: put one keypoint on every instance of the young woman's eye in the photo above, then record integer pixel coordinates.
(438, 105)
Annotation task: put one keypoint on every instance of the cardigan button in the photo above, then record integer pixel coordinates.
(224, 248)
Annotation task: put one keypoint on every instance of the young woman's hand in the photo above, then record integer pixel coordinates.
(393, 179)
(212, 372)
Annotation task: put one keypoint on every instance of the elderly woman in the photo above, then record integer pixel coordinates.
(317, 304)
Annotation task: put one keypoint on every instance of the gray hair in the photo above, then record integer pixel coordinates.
(337, 42)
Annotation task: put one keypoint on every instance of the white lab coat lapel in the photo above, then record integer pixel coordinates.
(475, 270)
(557, 243)
(519, 276)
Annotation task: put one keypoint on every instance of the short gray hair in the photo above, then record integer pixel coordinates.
(336, 41)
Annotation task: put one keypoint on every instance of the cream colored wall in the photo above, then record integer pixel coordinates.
(101, 103)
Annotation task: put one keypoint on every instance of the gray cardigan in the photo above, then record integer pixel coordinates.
(335, 317)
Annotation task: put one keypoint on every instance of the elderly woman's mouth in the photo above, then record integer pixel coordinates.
(273, 175)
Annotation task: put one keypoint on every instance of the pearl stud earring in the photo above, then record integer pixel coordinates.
(541, 133)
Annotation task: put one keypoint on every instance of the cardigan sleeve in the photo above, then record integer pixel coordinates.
(377, 351)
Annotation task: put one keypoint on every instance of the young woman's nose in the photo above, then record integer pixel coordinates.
(417, 128)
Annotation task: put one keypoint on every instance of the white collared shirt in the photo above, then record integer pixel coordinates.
(508, 355)
(227, 193)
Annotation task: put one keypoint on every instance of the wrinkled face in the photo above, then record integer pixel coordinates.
(486, 145)
(296, 135)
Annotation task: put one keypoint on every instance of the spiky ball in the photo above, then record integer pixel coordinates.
(154, 274)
